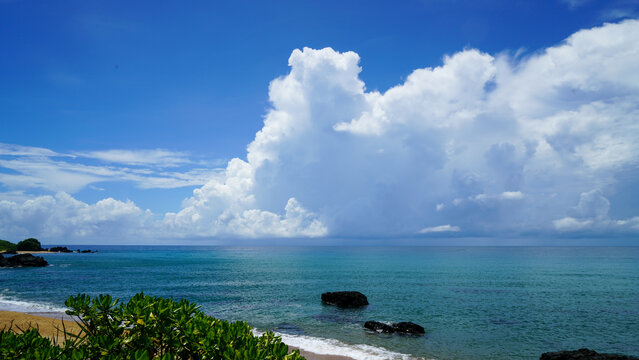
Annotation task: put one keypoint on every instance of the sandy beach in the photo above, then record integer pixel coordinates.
(51, 326)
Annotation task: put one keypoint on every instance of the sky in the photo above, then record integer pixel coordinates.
(412, 122)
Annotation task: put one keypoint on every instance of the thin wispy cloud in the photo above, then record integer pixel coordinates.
(19, 150)
(156, 157)
(575, 3)
(440, 229)
(32, 167)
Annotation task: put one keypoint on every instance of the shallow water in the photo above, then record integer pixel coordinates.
(475, 302)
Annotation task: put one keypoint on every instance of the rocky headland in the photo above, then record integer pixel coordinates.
(22, 260)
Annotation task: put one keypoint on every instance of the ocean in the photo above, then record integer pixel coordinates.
(474, 302)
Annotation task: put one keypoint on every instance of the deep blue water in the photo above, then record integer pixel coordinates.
(475, 302)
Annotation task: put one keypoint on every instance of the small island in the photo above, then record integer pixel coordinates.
(32, 245)
(21, 253)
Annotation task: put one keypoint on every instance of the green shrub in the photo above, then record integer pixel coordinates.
(29, 244)
(7, 246)
(146, 328)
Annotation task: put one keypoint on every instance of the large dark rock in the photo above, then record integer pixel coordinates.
(408, 328)
(23, 260)
(345, 299)
(583, 354)
(379, 327)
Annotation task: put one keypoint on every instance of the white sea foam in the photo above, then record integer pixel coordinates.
(8, 303)
(323, 346)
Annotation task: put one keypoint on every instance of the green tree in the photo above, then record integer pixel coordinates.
(29, 244)
(7, 246)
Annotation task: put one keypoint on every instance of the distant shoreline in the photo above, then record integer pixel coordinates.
(43, 252)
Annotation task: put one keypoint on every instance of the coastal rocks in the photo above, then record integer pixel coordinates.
(379, 327)
(355, 299)
(345, 299)
(62, 249)
(402, 328)
(408, 328)
(23, 260)
(583, 354)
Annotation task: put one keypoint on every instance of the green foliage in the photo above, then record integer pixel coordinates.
(7, 246)
(146, 328)
(29, 244)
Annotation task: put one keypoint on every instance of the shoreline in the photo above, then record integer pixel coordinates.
(50, 325)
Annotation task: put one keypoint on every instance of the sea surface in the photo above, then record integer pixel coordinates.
(474, 302)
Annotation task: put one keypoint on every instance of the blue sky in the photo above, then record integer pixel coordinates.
(113, 114)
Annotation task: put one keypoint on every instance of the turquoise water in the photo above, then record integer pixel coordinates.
(475, 302)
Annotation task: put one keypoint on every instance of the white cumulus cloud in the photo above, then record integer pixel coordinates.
(63, 217)
(489, 143)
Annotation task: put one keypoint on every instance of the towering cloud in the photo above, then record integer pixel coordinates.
(482, 144)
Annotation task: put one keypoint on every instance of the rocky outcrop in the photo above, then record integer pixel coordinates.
(345, 299)
(62, 249)
(22, 260)
(402, 328)
(583, 354)
(379, 327)
(408, 328)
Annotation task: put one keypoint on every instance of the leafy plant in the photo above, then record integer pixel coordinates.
(146, 328)
(7, 246)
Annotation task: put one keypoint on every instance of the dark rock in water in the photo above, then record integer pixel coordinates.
(583, 354)
(379, 327)
(86, 251)
(12, 252)
(497, 321)
(62, 249)
(408, 328)
(345, 299)
(22, 260)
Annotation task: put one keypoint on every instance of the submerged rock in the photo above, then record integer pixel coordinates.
(408, 328)
(23, 260)
(291, 329)
(379, 327)
(583, 354)
(345, 299)
(402, 328)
